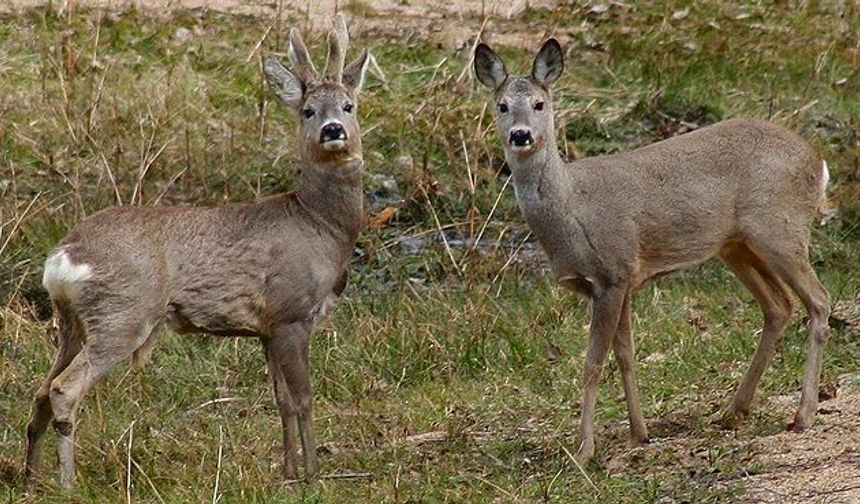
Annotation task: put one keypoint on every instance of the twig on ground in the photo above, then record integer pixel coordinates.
(215, 496)
(219, 401)
(347, 476)
(128, 463)
(578, 466)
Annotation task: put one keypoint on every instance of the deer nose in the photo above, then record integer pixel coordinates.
(521, 137)
(332, 131)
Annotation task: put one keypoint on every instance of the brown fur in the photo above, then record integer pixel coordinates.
(744, 190)
(267, 269)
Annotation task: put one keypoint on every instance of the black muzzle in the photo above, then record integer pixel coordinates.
(332, 131)
(521, 138)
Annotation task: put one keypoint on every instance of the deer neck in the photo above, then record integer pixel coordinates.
(536, 176)
(331, 193)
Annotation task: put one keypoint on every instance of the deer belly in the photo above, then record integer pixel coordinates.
(581, 285)
(230, 317)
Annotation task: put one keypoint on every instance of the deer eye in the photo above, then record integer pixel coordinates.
(539, 106)
(348, 108)
(308, 113)
(503, 108)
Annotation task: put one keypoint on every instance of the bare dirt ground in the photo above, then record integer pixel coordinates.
(819, 466)
(447, 22)
(317, 9)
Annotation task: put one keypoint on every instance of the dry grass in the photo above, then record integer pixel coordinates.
(450, 372)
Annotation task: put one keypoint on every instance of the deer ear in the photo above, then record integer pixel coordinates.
(284, 83)
(489, 68)
(353, 74)
(549, 63)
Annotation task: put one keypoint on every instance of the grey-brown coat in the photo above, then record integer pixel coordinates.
(267, 269)
(744, 190)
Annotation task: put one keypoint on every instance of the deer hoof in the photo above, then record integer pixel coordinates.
(637, 441)
(732, 419)
(585, 453)
(797, 426)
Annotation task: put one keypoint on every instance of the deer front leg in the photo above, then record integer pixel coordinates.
(624, 354)
(290, 345)
(287, 411)
(605, 313)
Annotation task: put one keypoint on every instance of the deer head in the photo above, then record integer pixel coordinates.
(326, 103)
(523, 104)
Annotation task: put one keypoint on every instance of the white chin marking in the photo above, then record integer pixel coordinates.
(333, 145)
(521, 148)
(62, 278)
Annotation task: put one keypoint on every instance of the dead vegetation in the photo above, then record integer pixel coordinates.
(449, 372)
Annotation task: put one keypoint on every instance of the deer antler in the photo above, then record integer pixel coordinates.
(338, 41)
(301, 60)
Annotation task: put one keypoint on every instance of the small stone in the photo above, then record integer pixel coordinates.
(182, 34)
(681, 14)
(404, 162)
(328, 449)
(387, 184)
(655, 358)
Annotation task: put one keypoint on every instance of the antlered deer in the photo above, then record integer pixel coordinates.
(267, 269)
(744, 190)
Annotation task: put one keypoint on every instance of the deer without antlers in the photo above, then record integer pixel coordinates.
(744, 190)
(267, 269)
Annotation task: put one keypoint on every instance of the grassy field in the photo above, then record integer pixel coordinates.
(447, 374)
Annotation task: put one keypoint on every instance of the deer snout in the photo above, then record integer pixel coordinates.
(521, 137)
(333, 136)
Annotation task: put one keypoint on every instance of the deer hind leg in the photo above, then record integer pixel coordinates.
(71, 339)
(107, 345)
(66, 393)
(625, 356)
(776, 306)
(790, 261)
(287, 411)
(140, 357)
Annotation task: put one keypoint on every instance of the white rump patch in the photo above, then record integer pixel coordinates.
(62, 278)
(825, 177)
